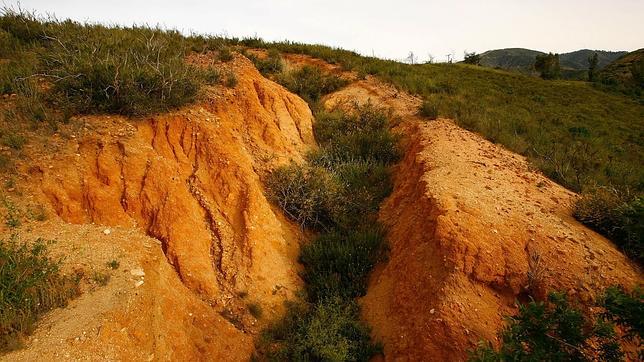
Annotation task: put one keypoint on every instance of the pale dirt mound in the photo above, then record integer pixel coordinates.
(463, 219)
(190, 180)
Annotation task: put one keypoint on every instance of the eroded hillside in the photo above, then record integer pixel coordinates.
(181, 207)
(177, 199)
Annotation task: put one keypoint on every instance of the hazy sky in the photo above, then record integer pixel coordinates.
(389, 28)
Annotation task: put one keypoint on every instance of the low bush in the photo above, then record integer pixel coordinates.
(307, 194)
(553, 331)
(340, 190)
(310, 83)
(128, 71)
(337, 264)
(362, 135)
(616, 214)
(625, 309)
(272, 64)
(225, 54)
(30, 284)
(329, 330)
(428, 110)
(93, 68)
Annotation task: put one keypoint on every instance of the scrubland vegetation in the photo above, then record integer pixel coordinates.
(30, 284)
(557, 330)
(337, 192)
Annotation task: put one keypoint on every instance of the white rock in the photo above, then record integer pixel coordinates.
(431, 311)
(107, 231)
(137, 272)
(138, 284)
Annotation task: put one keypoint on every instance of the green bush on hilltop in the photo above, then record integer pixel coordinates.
(310, 83)
(83, 68)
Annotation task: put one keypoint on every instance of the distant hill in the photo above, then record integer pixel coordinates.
(625, 74)
(522, 60)
(511, 58)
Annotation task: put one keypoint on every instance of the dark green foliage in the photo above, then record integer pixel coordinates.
(337, 264)
(231, 80)
(272, 64)
(360, 136)
(14, 141)
(307, 194)
(616, 214)
(472, 58)
(592, 66)
(311, 83)
(548, 65)
(93, 68)
(30, 285)
(625, 309)
(552, 331)
(128, 71)
(326, 331)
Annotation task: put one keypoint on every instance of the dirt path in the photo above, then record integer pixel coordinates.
(464, 220)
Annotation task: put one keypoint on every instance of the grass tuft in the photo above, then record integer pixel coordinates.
(30, 284)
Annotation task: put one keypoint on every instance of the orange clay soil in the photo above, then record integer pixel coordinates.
(464, 218)
(181, 207)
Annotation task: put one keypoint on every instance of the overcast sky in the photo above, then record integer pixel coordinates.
(389, 28)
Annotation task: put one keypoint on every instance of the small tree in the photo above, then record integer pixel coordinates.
(592, 66)
(548, 65)
(472, 58)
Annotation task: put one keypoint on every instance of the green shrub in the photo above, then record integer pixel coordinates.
(337, 264)
(93, 68)
(310, 83)
(428, 110)
(618, 215)
(365, 185)
(272, 64)
(553, 331)
(625, 309)
(326, 331)
(30, 285)
(308, 195)
(231, 80)
(225, 54)
(362, 135)
(128, 71)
